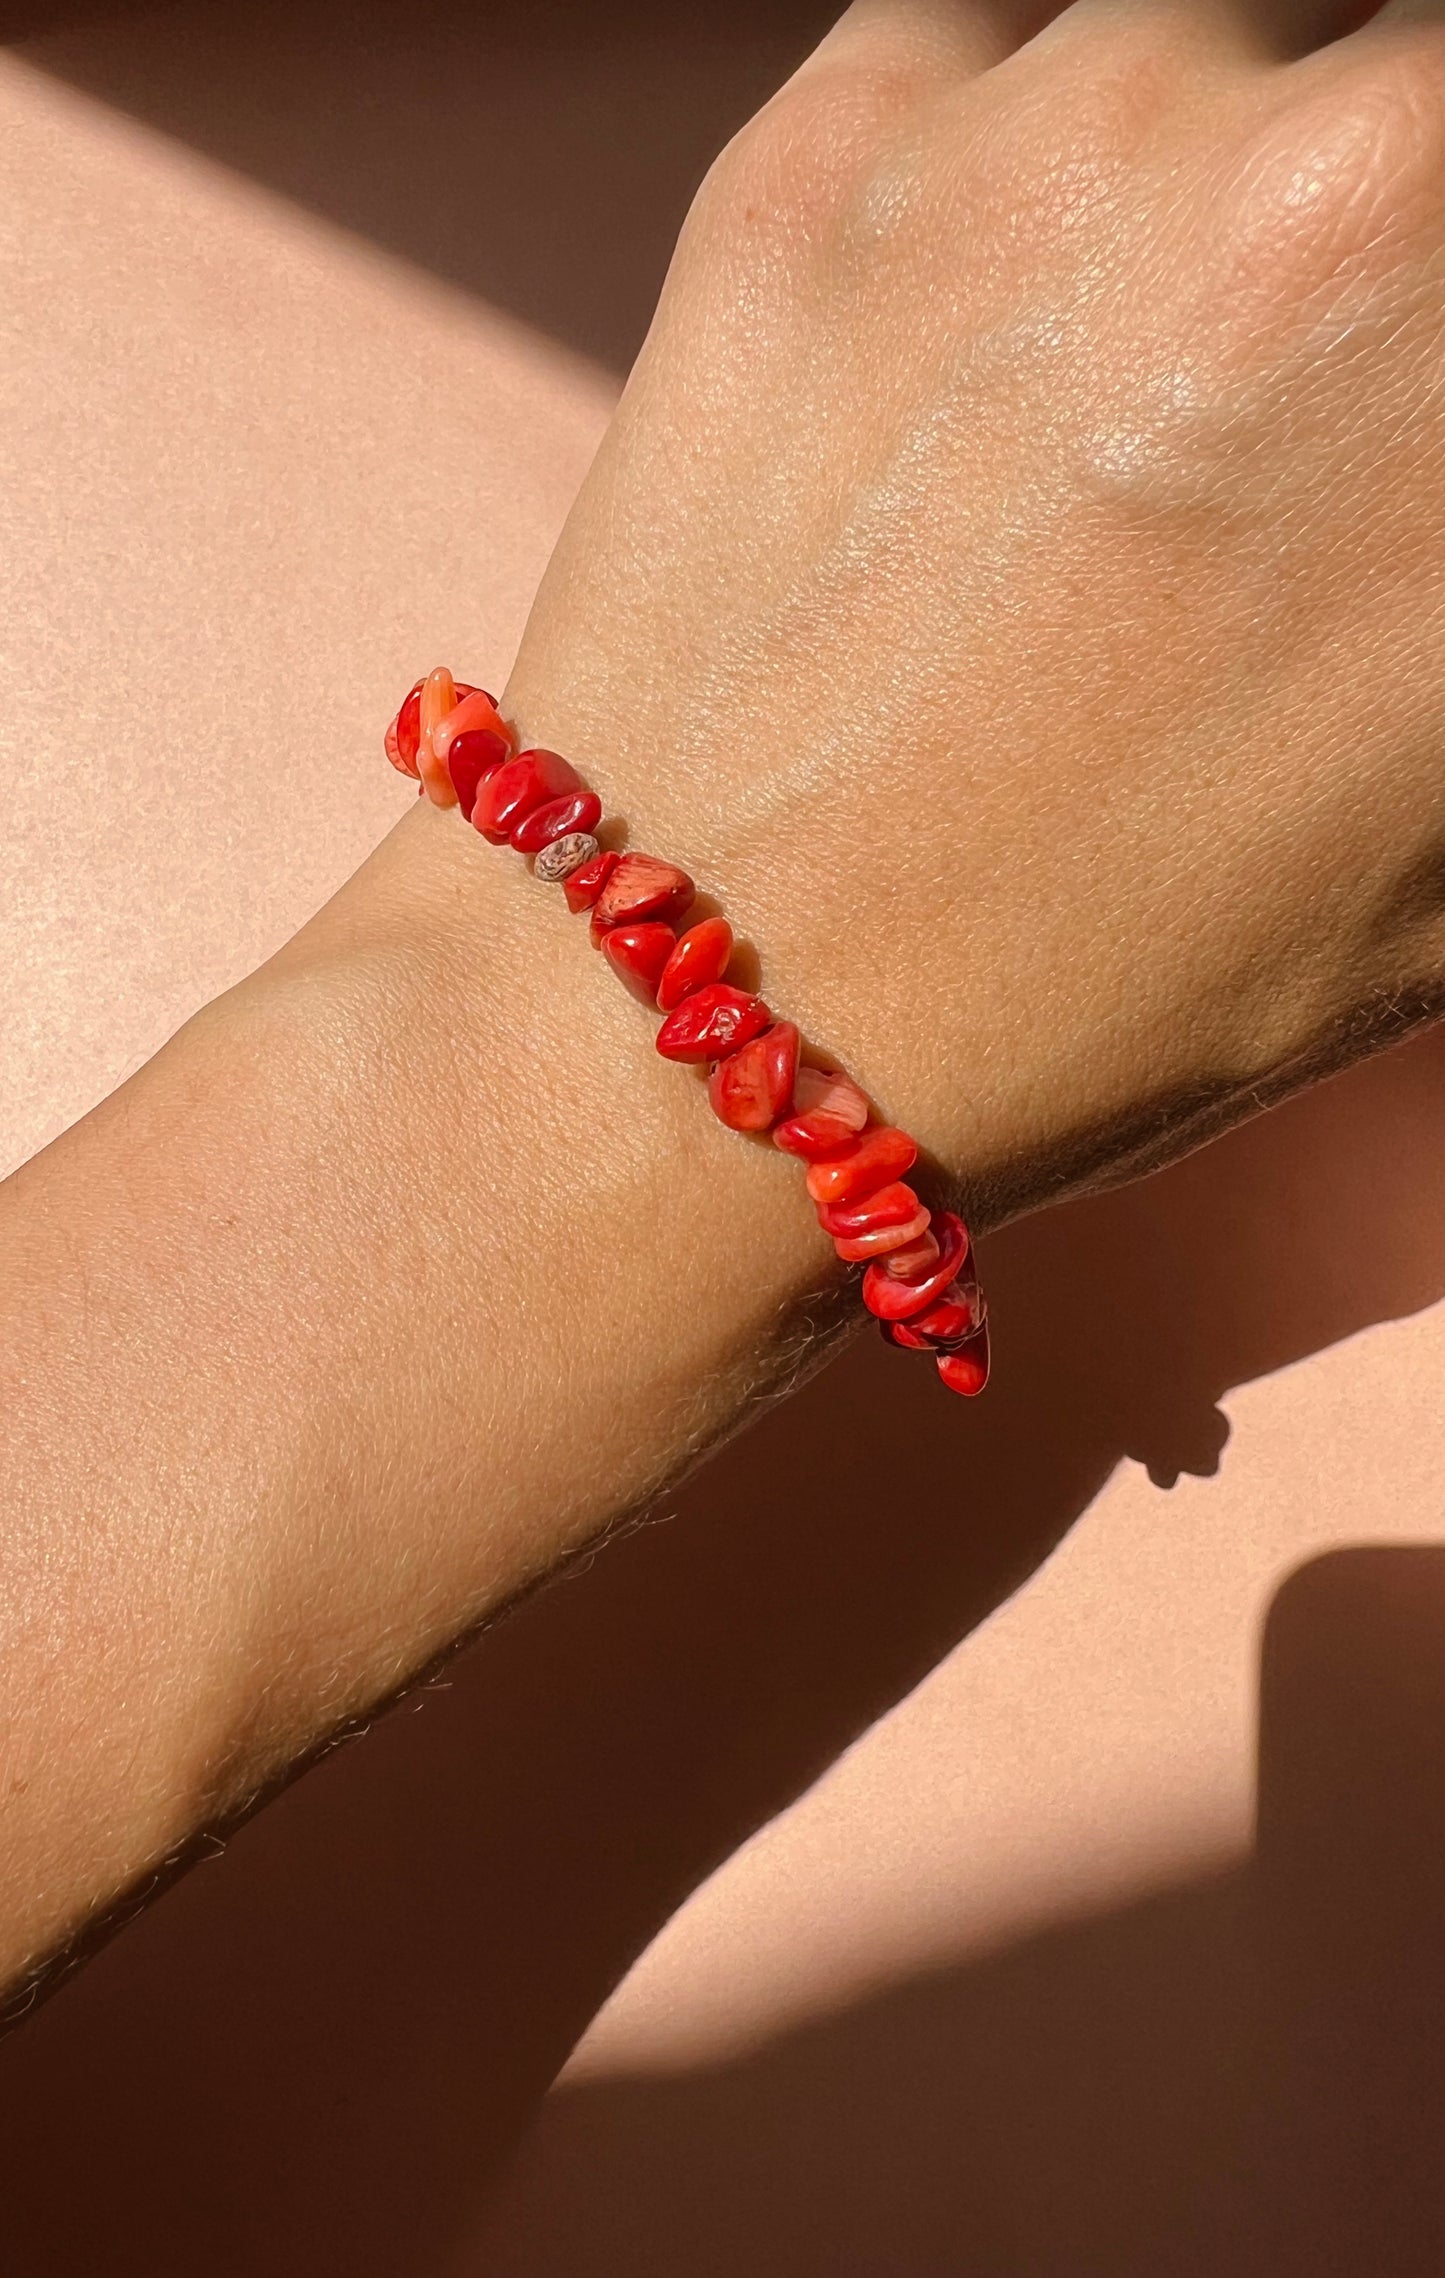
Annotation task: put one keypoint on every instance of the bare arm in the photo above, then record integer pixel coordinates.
(1015, 602)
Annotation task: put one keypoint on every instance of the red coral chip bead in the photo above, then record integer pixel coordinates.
(894, 1205)
(404, 734)
(967, 1371)
(525, 782)
(829, 1111)
(583, 886)
(403, 737)
(750, 1090)
(642, 887)
(944, 1328)
(958, 1316)
(554, 819)
(712, 1023)
(473, 713)
(700, 956)
(884, 1234)
(879, 1242)
(893, 1300)
(471, 757)
(637, 954)
(875, 1160)
(827, 1091)
(814, 1136)
(914, 1261)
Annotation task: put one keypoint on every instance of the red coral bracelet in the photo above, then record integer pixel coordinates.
(918, 1278)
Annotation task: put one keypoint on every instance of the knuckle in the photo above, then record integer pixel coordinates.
(1123, 80)
(809, 158)
(1355, 177)
(1071, 133)
(1406, 96)
(1330, 203)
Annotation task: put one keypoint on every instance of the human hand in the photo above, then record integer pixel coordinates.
(1013, 579)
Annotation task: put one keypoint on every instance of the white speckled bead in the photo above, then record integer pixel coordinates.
(564, 855)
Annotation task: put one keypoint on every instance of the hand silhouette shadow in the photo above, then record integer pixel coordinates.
(1243, 2074)
(310, 2056)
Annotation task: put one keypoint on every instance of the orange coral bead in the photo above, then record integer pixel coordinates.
(438, 698)
(472, 713)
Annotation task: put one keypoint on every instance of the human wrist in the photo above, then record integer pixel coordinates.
(581, 1274)
(745, 805)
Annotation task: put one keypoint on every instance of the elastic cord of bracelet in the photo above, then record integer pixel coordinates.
(918, 1277)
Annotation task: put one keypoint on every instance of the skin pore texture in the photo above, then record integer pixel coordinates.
(1012, 585)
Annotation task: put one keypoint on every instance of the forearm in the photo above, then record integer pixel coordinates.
(399, 1274)
(1026, 629)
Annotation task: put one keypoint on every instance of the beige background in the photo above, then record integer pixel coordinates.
(1016, 1838)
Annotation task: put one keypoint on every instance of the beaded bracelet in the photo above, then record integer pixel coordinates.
(918, 1279)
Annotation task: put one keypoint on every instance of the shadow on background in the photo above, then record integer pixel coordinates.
(311, 2057)
(538, 153)
(1244, 2075)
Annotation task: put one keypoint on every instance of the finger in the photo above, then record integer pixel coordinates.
(1301, 25)
(949, 38)
(1409, 12)
(1274, 29)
